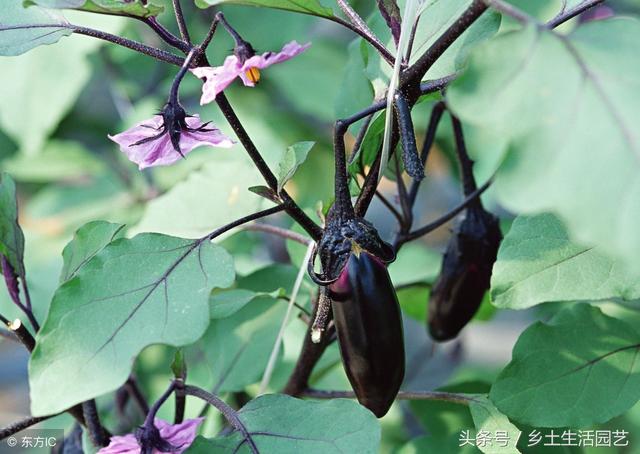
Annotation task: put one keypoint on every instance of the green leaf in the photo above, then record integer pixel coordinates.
(134, 293)
(415, 263)
(136, 8)
(576, 125)
(11, 236)
(286, 425)
(537, 263)
(579, 369)
(32, 84)
(58, 160)
(210, 197)
(237, 347)
(428, 444)
(487, 418)
(312, 7)
(228, 302)
(291, 159)
(21, 29)
(88, 240)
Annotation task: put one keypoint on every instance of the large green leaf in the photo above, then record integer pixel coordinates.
(21, 29)
(580, 369)
(285, 425)
(577, 101)
(137, 8)
(209, 198)
(537, 263)
(11, 236)
(39, 88)
(135, 292)
(489, 420)
(312, 7)
(88, 240)
(237, 347)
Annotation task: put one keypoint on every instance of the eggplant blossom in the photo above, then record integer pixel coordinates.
(161, 438)
(165, 138)
(245, 64)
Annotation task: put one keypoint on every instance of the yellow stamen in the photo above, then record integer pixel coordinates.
(355, 248)
(253, 74)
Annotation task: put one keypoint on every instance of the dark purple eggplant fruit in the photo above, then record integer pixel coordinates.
(465, 275)
(368, 322)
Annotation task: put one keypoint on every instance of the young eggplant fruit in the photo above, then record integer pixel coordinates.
(465, 275)
(368, 322)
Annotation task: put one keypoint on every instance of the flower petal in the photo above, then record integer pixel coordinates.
(210, 136)
(180, 435)
(122, 444)
(160, 151)
(217, 78)
(289, 51)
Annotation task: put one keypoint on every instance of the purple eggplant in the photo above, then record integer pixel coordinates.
(368, 322)
(465, 275)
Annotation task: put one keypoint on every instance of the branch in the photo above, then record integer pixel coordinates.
(98, 434)
(244, 220)
(18, 426)
(402, 395)
(363, 30)
(279, 231)
(466, 164)
(509, 10)
(412, 76)
(166, 35)
(445, 218)
(384, 52)
(229, 413)
(22, 334)
(182, 25)
(291, 207)
(580, 8)
(134, 391)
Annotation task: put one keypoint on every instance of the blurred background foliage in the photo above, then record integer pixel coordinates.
(59, 102)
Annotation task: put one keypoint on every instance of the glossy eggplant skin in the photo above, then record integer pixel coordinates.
(465, 275)
(368, 322)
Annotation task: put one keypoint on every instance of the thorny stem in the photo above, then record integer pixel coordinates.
(290, 206)
(343, 205)
(23, 334)
(403, 395)
(410, 79)
(466, 164)
(471, 198)
(98, 434)
(134, 391)
(229, 413)
(153, 411)
(182, 25)
(384, 52)
(573, 12)
(25, 423)
(166, 35)
(362, 26)
(278, 231)
(158, 54)
(244, 220)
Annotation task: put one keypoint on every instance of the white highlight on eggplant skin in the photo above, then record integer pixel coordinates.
(412, 9)
(268, 372)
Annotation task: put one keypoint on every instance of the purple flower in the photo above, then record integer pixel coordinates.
(164, 139)
(247, 67)
(178, 435)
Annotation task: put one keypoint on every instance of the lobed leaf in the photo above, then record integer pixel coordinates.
(577, 103)
(579, 369)
(135, 292)
(291, 159)
(136, 8)
(312, 7)
(538, 263)
(286, 425)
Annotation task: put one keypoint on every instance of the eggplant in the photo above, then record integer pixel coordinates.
(368, 323)
(466, 274)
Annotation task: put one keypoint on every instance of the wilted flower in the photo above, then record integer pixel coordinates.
(167, 438)
(244, 64)
(165, 138)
